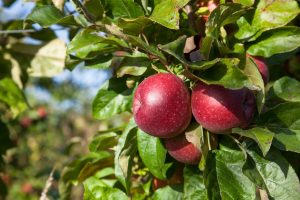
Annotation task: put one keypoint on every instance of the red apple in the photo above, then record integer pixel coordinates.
(262, 67)
(219, 109)
(161, 105)
(42, 112)
(26, 122)
(182, 150)
(6, 179)
(27, 188)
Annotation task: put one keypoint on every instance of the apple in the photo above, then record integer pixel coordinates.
(6, 179)
(26, 122)
(262, 67)
(161, 105)
(27, 188)
(42, 112)
(219, 109)
(183, 150)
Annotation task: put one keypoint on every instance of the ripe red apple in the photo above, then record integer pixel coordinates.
(42, 112)
(26, 122)
(182, 150)
(161, 105)
(27, 188)
(219, 109)
(262, 67)
(6, 179)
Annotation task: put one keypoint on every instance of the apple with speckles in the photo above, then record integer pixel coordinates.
(262, 67)
(162, 105)
(183, 150)
(219, 109)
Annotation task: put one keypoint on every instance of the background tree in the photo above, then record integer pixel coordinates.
(220, 44)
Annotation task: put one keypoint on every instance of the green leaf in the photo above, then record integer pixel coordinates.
(46, 60)
(100, 62)
(135, 65)
(175, 48)
(244, 2)
(286, 88)
(86, 166)
(89, 41)
(223, 166)
(153, 154)
(278, 176)
(147, 48)
(125, 9)
(252, 72)
(194, 188)
(114, 98)
(267, 15)
(11, 95)
(224, 14)
(284, 121)
(166, 13)
(210, 177)
(48, 15)
(95, 8)
(125, 152)
(280, 40)
(173, 192)
(263, 137)
(103, 141)
(226, 73)
(134, 26)
(94, 191)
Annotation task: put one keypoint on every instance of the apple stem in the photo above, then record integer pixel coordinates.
(208, 140)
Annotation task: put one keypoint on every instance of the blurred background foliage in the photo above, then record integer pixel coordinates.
(57, 126)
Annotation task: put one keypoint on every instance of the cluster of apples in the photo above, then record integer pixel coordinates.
(163, 107)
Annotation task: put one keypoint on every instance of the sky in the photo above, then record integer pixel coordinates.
(91, 79)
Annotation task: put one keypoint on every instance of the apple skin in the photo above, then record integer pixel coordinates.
(27, 188)
(182, 150)
(219, 109)
(42, 112)
(26, 122)
(162, 105)
(262, 67)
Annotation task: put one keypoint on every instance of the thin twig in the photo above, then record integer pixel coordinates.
(47, 186)
(83, 11)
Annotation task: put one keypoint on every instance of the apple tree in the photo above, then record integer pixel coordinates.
(207, 93)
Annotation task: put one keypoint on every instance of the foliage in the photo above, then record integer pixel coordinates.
(137, 38)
